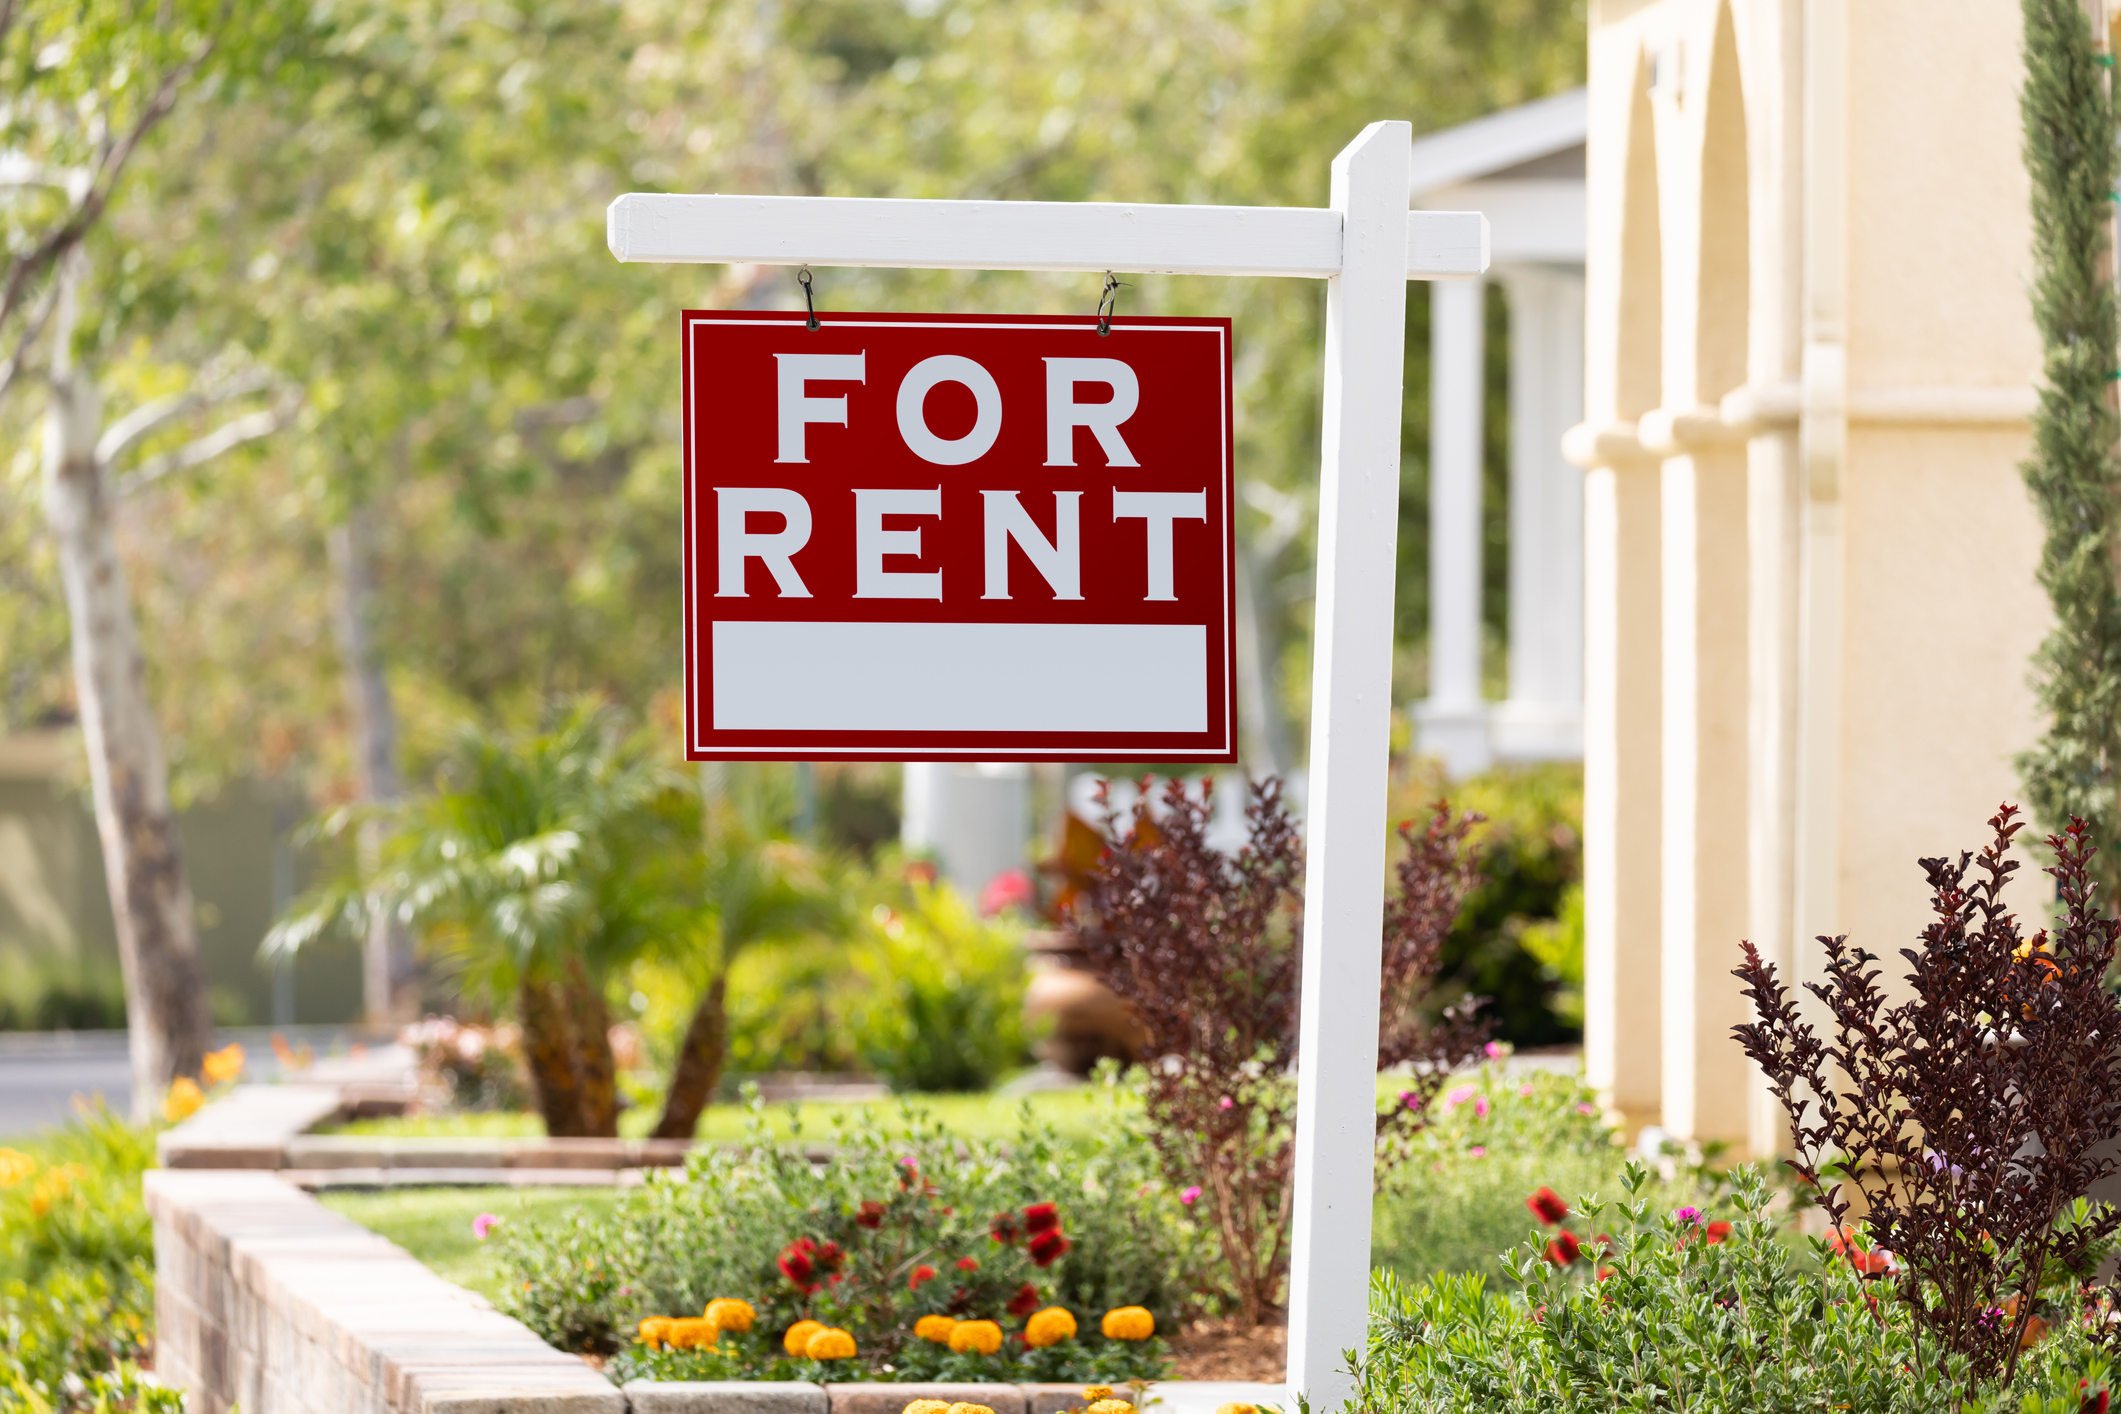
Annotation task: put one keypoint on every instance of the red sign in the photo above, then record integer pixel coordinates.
(942, 537)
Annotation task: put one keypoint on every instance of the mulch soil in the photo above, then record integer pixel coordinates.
(1226, 1350)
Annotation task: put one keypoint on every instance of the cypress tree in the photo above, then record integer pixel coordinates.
(2070, 153)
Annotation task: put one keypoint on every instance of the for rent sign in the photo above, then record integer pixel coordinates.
(996, 537)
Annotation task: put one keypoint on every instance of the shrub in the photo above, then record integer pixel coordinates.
(1457, 1197)
(1972, 1116)
(1204, 950)
(905, 1222)
(76, 1270)
(942, 995)
(1662, 1310)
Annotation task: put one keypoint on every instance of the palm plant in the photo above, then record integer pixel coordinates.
(538, 864)
(756, 891)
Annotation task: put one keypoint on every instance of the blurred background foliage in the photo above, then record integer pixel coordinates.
(408, 225)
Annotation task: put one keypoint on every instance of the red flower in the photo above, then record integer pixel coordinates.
(1546, 1205)
(921, 1273)
(1717, 1231)
(1025, 1301)
(1604, 1272)
(907, 1178)
(796, 1265)
(829, 1257)
(1047, 1248)
(1564, 1249)
(1005, 1231)
(1041, 1217)
(968, 1264)
(871, 1215)
(1870, 1264)
(2096, 1404)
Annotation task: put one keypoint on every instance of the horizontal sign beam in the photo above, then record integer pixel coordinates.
(1089, 237)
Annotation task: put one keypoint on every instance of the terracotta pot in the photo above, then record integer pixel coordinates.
(1088, 1022)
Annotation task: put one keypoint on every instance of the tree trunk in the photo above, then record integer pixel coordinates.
(549, 1051)
(699, 1067)
(592, 1050)
(389, 983)
(169, 1025)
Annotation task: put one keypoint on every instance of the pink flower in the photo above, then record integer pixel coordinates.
(1478, 1151)
(483, 1224)
(1495, 1050)
(1410, 1099)
(1687, 1215)
(1585, 1109)
(1457, 1097)
(1009, 889)
(1225, 1103)
(1524, 1092)
(1480, 1106)
(1190, 1196)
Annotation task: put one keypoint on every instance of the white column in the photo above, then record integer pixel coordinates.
(1542, 720)
(974, 816)
(1351, 683)
(1453, 721)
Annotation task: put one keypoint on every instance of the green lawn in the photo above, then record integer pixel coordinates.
(434, 1224)
(1076, 1113)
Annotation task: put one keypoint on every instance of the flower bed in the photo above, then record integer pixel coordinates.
(914, 1256)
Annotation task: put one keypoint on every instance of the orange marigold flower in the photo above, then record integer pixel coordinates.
(797, 1341)
(935, 1329)
(220, 1067)
(1049, 1327)
(730, 1314)
(1110, 1406)
(655, 1332)
(976, 1338)
(1236, 1409)
(14, 1167)
(692, 1333)
(1093, 1393)
(927, 1406)
(183, 1099)
(1128, 1323)
(965, 1408)
(830, 1343)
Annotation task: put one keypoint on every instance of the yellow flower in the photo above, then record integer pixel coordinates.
(655, 1332)
(936, 1329)
(692, 1333)
(830, 1343)
(183, 1099)
(14, 1167)
(220, 1067)
(1236, 1409)
(1093, 1393)
(1110, 1406)
(927, 1406)
(797, 1341)
(976, 1338)
(1049, 1327)
(1128, 1323)
(730, 1314)
(962, 1408)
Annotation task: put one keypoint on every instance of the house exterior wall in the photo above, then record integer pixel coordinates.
(1842, 354)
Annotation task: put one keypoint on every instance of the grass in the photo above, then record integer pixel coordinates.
(434, 1224)
(1075, 1114)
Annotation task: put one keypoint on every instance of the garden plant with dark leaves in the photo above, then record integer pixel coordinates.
(1971, 1119)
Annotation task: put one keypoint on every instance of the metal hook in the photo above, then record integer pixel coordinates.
(802, 277)
(1108, 303)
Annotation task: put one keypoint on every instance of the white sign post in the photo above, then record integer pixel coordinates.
(1365, 246)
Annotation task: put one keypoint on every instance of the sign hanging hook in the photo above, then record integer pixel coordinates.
(1108, 303)
(802, 277)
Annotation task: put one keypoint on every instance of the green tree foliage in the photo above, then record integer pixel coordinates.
(2070, 151)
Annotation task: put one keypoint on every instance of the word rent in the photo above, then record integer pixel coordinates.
(928, 537)
(1004, 519)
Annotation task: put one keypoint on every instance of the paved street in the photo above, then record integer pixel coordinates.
(42, 1072)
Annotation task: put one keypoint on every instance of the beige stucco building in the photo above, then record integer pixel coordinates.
(1809, 556)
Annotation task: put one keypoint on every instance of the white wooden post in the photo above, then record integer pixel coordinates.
(1351, 694)
(1366, 246)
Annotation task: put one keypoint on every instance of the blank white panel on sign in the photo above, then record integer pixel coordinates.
(971, 677)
